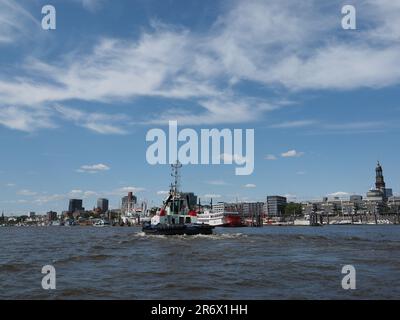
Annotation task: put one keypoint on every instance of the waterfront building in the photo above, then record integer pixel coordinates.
(394, 204)
(192, 198)
(51, 216)
(102, 204)
(375, 195)
(252, 209)
(356, 198)
(276, 205)
(128, 202)
(75, 205)
(221, 207)
(328, 208)
(32, 214)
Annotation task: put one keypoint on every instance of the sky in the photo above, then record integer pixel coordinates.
(76, 102)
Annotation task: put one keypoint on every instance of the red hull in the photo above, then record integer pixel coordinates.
(233, 221)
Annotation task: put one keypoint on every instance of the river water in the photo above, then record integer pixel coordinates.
(242, 263)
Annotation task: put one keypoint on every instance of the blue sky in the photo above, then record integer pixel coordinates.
(76, 102)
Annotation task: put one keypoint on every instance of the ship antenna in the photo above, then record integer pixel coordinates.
(175, 174)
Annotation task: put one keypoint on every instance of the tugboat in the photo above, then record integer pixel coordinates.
(176, 217)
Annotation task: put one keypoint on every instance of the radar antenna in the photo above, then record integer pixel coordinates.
(175, 174)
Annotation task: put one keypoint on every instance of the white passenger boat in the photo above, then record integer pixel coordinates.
(211, 218)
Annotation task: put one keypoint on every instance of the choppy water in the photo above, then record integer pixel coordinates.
(245, 263)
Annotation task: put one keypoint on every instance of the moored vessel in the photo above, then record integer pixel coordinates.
(232, 219)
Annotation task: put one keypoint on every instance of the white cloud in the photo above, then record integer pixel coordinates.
(217, 182)
(339, 194)
(250, 185)
(92, 5)
(302, 50)
(25, 118)
(357, 125)
(43, 199)
(26, 192)
(10, 185)
(301, 172)
(15, 22)
(227, 157)
(89, 194)
(162, 192)
(293, 124)
(213, 196)
(273, 43)
(292, 154)
(94, 168)
(270, 157)
(81, 194)
(98, 122)
(124, 190)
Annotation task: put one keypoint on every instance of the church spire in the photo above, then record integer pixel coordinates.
(379, 181)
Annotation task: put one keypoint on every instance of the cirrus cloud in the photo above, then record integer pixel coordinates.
(94, 168)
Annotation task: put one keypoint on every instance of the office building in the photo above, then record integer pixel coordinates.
(192, 198)
(75, 205)
(128, 202)
(51, 216)
(102, 204)
(276, 205)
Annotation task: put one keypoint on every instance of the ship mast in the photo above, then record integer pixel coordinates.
(175, 174)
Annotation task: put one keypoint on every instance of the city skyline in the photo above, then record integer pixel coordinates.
(381, 191)
(75, 111)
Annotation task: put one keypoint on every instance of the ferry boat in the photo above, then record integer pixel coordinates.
(176, 217)
(211, 218)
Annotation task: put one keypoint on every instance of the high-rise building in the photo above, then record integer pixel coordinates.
(128, 202)
(192, 198)
(51, 216)
(251, 209)
(102, 204)
(75, 205)
(276, 205)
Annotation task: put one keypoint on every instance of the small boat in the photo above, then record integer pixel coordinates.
(176, 217)
(301, 222)
(101, 223)
(69, 223)
(342, 222)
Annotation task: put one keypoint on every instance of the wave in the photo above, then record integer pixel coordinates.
(215, 236)
(15, 267)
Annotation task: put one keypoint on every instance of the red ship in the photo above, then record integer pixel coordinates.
(233, 219)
